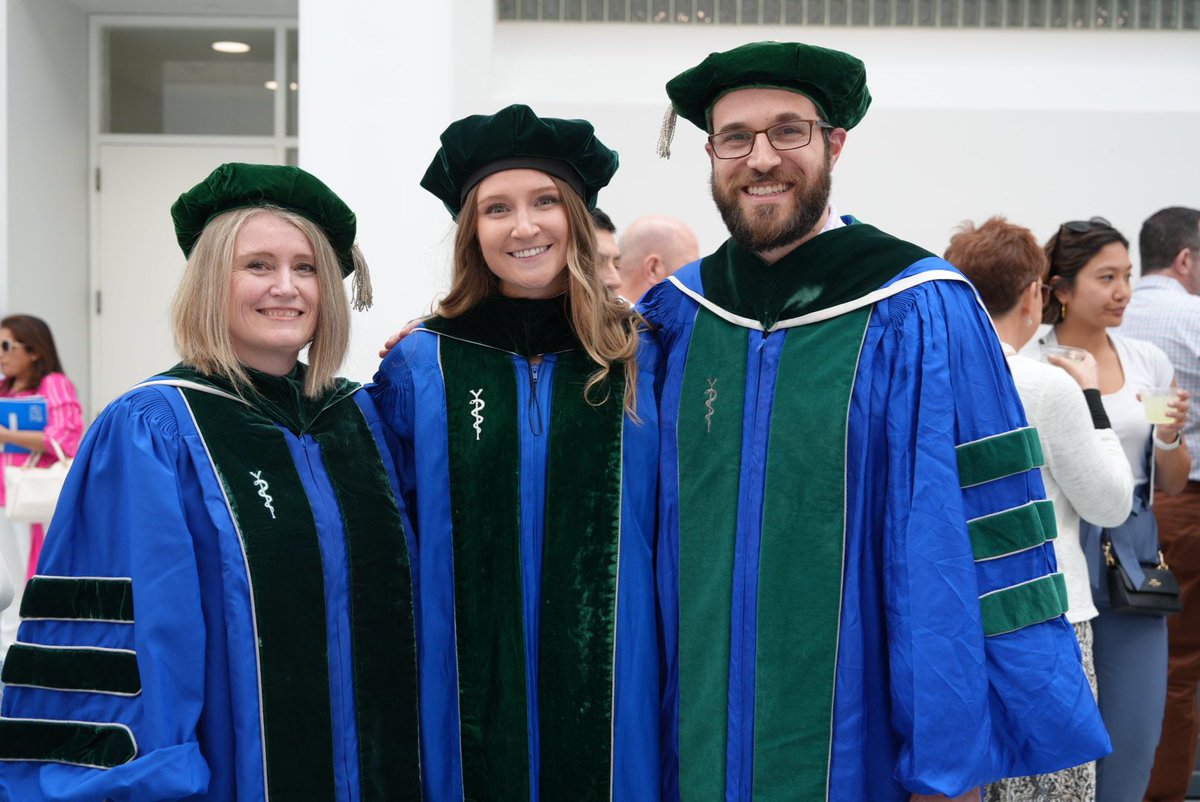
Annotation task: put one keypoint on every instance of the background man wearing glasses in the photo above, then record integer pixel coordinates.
(858, 598)
(1165, 309)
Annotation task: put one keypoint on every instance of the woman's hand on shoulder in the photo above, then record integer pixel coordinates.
(1085, 372)
(395, 339)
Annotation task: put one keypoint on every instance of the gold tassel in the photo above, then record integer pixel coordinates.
(666, 133)
(361, 296)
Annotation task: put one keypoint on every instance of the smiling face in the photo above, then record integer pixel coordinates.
(772, 199)
(523, 233)
(274, 295)
(1101, 289)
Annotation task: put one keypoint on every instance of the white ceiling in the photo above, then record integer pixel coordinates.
(240, 8)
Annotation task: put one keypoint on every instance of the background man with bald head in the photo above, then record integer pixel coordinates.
(652, 248)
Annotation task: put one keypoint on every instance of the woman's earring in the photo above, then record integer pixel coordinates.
(1064, 312)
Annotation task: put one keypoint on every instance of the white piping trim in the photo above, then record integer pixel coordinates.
(123, 579)
(100, 578)
(837, 647)
(1020, 584)
(48, 647)
(823, 314)
(191, 385)
(113, 724)
(262, 725)
(612, 738)
(74, 648)
(1030, 503)
(462, 782)
(991, 437)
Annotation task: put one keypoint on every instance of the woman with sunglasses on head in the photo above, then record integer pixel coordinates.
(525, 419)
(31, 368)
(1089, 275)
(224, 607)
(1085, 470)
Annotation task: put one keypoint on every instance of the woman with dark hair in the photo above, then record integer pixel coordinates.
(31, 368)
(1085, 470)
(527, 431)
(1089, 278)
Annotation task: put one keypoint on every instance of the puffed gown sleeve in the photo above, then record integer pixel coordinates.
(104, 689)
(986, 676)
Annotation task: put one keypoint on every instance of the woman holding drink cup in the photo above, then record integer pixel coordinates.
(1089, 287)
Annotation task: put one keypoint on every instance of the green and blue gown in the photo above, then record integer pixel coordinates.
(858, 597)
(534, 514)
(223, 608)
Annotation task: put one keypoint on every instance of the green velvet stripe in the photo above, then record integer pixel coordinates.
(382, 635)
(800, 560)
(71, 669)
(995, 457)
(1013, 530)
(579, 584)
(97, 746)
(71, 599)
(485, 511)
(1023, 605)
(288, 586)
(710, 448)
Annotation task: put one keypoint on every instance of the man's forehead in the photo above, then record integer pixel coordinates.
(761, 104)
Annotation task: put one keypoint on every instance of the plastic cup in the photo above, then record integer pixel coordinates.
(1154, 403)
(1064, 351)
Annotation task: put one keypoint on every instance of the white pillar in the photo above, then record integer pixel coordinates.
(379, 81)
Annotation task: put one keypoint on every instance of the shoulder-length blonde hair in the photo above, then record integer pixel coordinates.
(606, 327)
(200, 309)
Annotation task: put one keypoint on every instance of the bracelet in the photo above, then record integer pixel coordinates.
(1161, 446)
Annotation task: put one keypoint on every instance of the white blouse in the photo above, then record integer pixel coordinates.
(1086, 473)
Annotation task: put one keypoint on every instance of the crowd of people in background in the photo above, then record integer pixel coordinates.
(820, 515)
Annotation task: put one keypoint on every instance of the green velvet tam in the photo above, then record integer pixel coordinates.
(514, 138)
(239, 186)
(835, 81)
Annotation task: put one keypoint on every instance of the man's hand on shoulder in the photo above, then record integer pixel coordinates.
(969, 796)
(400, 335)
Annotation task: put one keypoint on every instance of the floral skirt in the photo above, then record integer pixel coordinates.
(1076, 784)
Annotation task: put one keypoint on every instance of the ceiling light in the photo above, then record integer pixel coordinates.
(293, 86)
(272, 85)
(231, 47)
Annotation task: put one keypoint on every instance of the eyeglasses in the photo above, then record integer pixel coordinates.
(1076, 227)
(8, 345)
(791, 135)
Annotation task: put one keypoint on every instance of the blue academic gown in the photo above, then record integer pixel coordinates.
(143, 513)
(945, 662)
(511, 756)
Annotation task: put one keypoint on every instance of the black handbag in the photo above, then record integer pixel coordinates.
(1158, 594)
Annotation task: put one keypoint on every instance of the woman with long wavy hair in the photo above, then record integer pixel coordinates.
(527, 436)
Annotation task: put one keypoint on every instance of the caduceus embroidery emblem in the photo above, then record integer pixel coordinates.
(262, 486)
(477, 405)
(710, 395)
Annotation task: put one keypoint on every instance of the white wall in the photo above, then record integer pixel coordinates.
(380, 81)
(1041, 126)
(4, 261)
(47, 172)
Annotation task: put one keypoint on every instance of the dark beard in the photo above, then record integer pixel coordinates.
(766, 229)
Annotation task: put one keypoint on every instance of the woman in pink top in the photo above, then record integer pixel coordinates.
(29, 362)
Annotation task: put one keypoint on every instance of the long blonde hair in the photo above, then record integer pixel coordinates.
(605, 326)
(200, 309)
